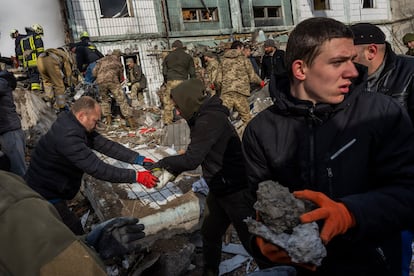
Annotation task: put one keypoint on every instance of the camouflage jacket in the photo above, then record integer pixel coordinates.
(212, 70)
(108, 69)
(236, 73)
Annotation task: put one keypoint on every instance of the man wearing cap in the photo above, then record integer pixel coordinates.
(212, 72)
(266, 68)
(137, 82)
(388, 73)
(176, 67)
(408, 40)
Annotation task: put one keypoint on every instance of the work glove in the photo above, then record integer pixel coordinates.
(212, 86)
(151, 166)
(116, 237)
(143, 161)
(262, 84)
(9, 77)
(147, 179)
(337, 217)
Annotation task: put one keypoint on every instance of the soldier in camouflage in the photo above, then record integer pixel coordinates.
(234, 77)
(212, 72)
(109, 74)
(177, 67)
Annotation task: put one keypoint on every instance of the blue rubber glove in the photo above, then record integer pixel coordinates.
(143, 161)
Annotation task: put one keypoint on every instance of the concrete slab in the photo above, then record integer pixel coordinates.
(171, 207)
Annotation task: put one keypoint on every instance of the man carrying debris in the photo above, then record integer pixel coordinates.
(12, 138)
(137, 82)
(215, 146)
(65, 153)
(36, 242)
(348, 151)
(234, 78)
(109, 74)
(176, 67)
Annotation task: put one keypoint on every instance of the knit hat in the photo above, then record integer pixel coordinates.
(188, 96)
(270, 43)
(177, 44)
(367, 33)
(407, 38)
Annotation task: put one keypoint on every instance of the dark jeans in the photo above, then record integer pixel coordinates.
(219, 214)
(69, 218)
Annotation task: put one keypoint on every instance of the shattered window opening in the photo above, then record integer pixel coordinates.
(200, 15)
(367, 4)
(320, 5)
(115, 8)
(267, 12)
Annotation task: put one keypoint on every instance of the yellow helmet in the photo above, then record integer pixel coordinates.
(37, 29)
(83, 34)
(12, 32)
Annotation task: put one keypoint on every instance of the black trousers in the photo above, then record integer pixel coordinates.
(219, 214)
(69, 218)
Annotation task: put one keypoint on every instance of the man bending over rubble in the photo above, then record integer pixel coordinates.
(65, 152)
(348, 151)
(216, 146)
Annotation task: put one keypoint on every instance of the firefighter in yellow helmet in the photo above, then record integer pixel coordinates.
(32, 47)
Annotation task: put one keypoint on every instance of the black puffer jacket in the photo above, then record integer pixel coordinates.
(397, 79)
(64, 153)
(216, 146)
(9, 119)
(359, 152)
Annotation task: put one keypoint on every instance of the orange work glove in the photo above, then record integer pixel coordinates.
(147, 179)
(262, 84)
(278, 255)
(337, 217)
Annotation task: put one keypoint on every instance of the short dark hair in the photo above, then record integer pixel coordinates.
(307, 37)
(237, 44)
(84, 103)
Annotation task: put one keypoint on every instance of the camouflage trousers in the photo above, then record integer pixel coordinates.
(168, 105)
(120, 98)
(137, 96)
(239, 103)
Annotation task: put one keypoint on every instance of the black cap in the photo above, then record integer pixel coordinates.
(367, 33)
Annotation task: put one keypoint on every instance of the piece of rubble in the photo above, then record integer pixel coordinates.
(279, 211)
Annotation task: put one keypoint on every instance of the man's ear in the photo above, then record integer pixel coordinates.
(299, 69)
(371, 51)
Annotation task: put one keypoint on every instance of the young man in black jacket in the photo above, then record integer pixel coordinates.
(215, 146)
(347, 150)
(65, 153)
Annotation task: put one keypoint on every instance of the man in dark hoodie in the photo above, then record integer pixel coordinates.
(215, 146)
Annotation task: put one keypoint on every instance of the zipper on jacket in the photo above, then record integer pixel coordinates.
(312, 145)
(330, 176)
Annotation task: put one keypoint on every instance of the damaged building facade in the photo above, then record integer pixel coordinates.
(145, 28)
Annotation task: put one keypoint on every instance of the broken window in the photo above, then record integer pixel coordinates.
(367, 4)
(200, 14)
(321, 5)
(115, 8)
(267, 12)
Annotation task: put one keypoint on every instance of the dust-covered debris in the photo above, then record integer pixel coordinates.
(279, 213)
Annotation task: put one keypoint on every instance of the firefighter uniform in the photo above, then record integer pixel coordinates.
(32, 47)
